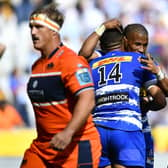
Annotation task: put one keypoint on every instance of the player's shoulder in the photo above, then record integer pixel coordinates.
(67, 52)
(70, 59)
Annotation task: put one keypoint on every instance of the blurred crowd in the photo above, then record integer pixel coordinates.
(81, 18)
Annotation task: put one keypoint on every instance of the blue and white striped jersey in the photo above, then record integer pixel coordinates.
(118, 77)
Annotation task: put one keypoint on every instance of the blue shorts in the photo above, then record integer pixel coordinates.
(122, 147)
(149, 150)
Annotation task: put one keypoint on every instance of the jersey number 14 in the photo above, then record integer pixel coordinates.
(114, 74)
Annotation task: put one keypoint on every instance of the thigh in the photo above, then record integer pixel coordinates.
(104, 159)
(127, 148)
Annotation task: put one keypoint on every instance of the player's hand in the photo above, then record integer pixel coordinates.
(60, 140)
(149, 64)
(113, 23)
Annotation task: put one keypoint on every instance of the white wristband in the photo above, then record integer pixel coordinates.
(160, 75)
(100, 30)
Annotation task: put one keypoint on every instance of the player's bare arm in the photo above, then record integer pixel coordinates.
(83, 108)
(157, 70)
(89, 45)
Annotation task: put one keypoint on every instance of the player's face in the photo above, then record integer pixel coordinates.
(137, 42)
(41, 36)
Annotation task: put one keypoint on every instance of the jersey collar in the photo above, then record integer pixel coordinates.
(55, 50)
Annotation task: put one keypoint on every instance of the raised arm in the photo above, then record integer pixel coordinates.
(89, 45)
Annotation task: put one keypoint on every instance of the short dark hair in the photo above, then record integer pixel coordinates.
(111, 38)
(51, 10)
(136, 27)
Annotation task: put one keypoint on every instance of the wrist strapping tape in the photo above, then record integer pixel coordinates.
(160, 75)
(100, 30)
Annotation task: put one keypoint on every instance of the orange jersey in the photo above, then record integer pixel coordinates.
(52, 88)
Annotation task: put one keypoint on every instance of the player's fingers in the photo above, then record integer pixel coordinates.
(149, 56)
(119, 27)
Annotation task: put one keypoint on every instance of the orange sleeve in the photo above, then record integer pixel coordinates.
(76, 73)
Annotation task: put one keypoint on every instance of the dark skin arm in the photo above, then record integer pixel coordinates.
(89, 45)
(157, 94)
(159, 100)
(151, 66)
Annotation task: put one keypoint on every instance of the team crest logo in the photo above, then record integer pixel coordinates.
(83, 76)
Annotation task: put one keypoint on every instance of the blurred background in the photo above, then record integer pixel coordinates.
(17, 128)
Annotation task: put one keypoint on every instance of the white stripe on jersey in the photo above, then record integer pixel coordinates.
(121, 112)
(46, 74)
(49, 103)
(127, 119)
(111, 88)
